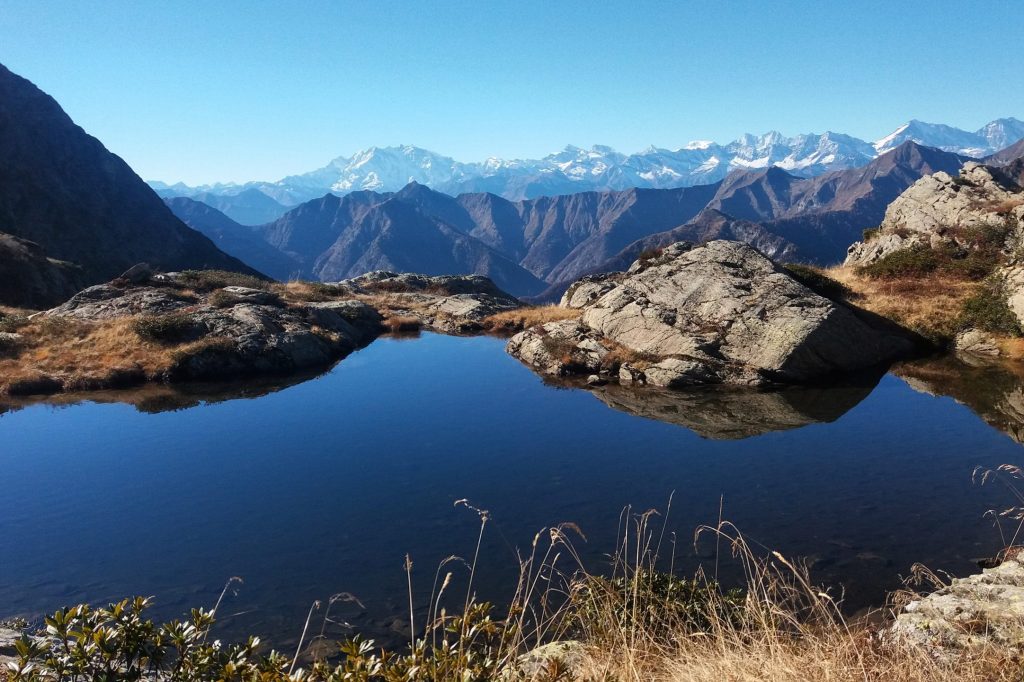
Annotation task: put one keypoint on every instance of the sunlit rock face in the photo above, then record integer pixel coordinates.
(721, 313)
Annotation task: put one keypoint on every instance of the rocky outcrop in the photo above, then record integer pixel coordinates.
(233, 330)
(717, 313)
(936, 209)
(980, 610)
(446, 303)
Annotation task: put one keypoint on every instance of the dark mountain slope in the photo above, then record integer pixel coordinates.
(309, 229)
(397, 236)
(61, 189)
(240, 241)
(29, 279)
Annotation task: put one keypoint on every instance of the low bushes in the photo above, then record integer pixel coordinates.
(170, 329)
(915, 262)
(988, 310)
(635, 623)
(208, 280)
(968, 253)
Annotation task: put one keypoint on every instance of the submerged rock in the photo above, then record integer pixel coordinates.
(717, 313)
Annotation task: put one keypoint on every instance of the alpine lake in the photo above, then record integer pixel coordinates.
(317, 485)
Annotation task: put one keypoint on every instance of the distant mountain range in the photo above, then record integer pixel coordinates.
(536, 247)
(74, 214)
(573, 170)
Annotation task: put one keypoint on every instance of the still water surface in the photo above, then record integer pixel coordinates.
(323, 486)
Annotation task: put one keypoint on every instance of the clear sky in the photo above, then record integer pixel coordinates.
(228, 90)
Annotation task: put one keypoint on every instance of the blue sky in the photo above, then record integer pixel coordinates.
(207, 91)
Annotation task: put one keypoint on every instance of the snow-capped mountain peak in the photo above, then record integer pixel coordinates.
(575, 169)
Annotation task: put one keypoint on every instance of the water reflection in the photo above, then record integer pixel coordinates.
(728, 414)
(156, 398)
(992, 388)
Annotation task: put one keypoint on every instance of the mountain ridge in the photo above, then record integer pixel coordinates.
(74, 208)
(601, 168)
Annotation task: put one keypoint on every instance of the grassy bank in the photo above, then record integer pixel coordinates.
(630, 622)
(48, 354)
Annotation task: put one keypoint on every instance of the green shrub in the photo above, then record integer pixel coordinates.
(817, 281)
(223, 299)
(208, 280)
(870, 233)
(167, 329)
(988, 310)
(917, 261)
(651, 600)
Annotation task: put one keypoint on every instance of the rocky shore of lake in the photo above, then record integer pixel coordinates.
(196, 326)
(717, 313)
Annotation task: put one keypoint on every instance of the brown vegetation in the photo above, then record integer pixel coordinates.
(402, 324)
(524, 318)
(931, 305)
(63, 354)
(629, 623)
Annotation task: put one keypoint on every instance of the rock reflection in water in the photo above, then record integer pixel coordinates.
(154, 398)
(992, 388)
(731, 413)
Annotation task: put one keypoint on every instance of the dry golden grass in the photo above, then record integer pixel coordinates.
(402, 324)
(783, 629)
(829, 656)
(523, 318)
(929, 306)
(66, 354)
(71, 352)
(1012, 349)
(302, 291)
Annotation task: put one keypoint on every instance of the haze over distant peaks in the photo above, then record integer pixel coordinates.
(600, 168)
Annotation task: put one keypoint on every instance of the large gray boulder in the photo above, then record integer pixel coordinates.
(717, 313)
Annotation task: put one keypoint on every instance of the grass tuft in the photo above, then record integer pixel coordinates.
(170, 329)
(524, 318)
(208, 280)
